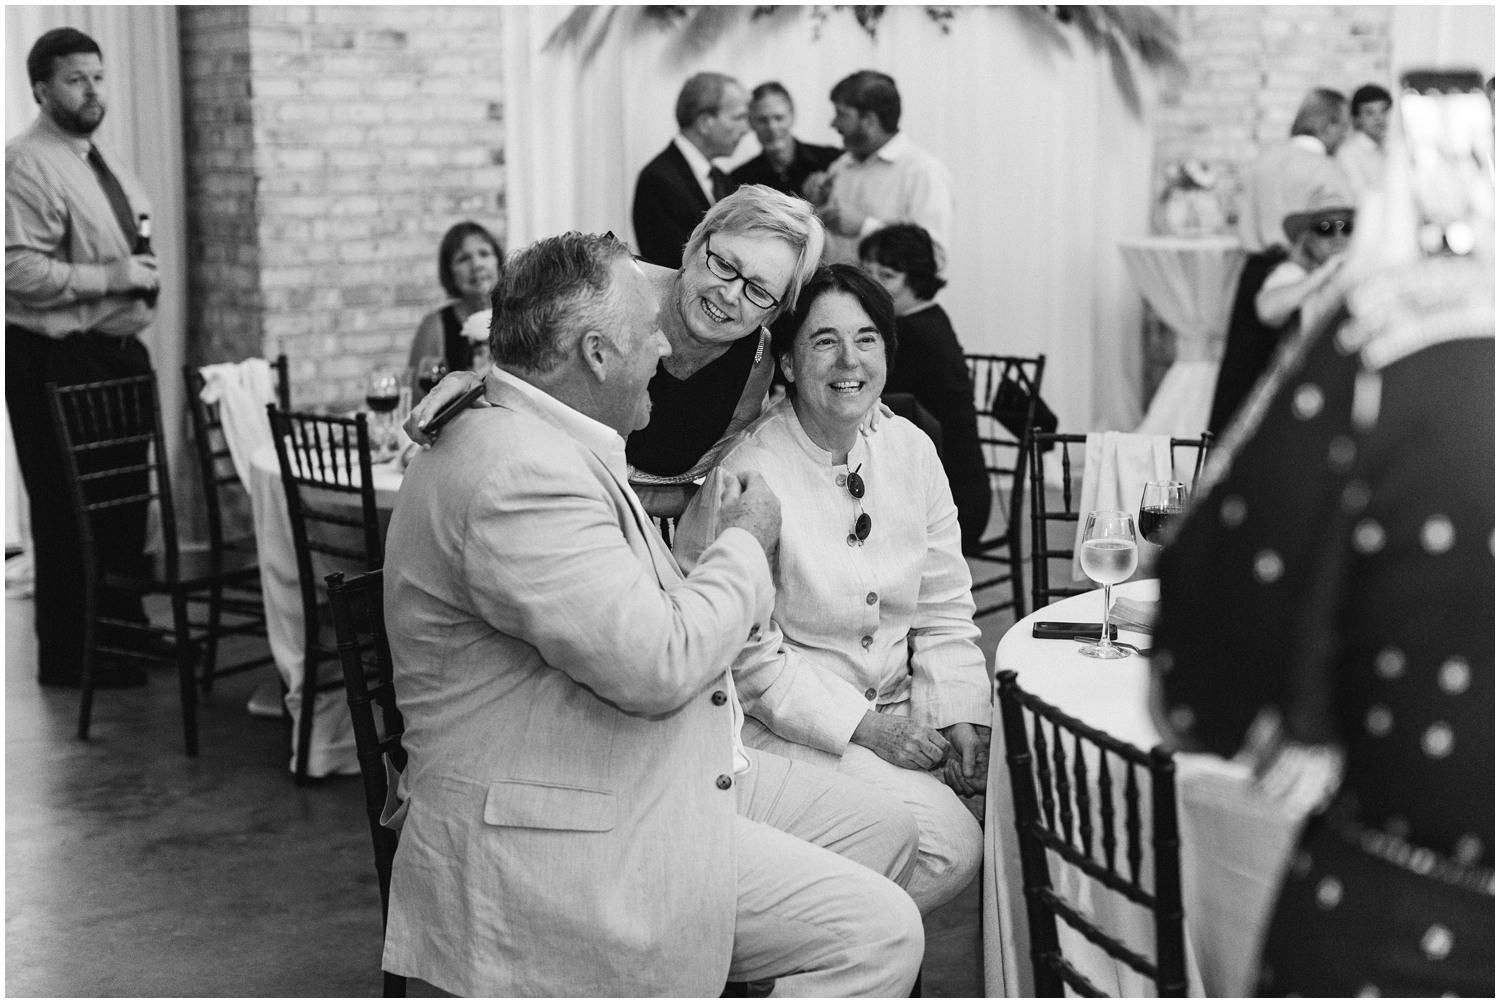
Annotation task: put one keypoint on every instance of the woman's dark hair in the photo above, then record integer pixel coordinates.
(906, 248)
(452, 241)
(869, 294)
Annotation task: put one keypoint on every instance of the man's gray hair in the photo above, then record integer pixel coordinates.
(701, 95)
(1320, 109)
(548, 292)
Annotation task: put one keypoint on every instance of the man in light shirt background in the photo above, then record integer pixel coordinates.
(1362, 153)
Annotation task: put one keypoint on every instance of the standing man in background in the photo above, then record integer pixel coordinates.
(1294, 173)
(882, 178)
(680, 183)
(75, 299)
(785, 162)
(1362, 153)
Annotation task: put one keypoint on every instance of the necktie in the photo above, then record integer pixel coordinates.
(114, 193)
(720, 182)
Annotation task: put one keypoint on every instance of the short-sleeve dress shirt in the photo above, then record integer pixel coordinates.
(60, 235)
(888, 625)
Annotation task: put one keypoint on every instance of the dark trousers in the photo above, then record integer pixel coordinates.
(32, 361)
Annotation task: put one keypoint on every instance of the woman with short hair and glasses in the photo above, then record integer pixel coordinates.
(741, 268)
(869, 664)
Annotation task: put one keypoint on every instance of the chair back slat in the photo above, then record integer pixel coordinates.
(1038, 763)
(216, 471)
(1044, 515)
(114, 454)
(364, 653)
(1008, 385)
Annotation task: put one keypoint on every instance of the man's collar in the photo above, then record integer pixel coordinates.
(701, 166)
(596, 435)
(1312, 144)
(78, 144)
(894, 149)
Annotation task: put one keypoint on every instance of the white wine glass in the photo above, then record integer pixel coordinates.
(1162, 503)
(1109, 557)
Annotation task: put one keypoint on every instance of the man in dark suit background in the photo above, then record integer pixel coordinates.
(677, 187)
(785, 162)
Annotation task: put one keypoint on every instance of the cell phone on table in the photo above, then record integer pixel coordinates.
(1058, 630)
(449, 410)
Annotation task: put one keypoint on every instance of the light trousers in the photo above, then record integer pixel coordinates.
(822, 860)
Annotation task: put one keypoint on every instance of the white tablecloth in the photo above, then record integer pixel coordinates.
(1189, 282)
(333, 735)
(1235, 844)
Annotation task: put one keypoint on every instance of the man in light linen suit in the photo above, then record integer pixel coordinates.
(580, 818)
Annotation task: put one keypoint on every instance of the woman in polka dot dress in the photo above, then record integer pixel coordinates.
(1337, 576)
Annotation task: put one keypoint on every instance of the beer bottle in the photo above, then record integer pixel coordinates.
(143, 246)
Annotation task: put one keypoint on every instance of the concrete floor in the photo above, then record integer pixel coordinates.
(132, 870)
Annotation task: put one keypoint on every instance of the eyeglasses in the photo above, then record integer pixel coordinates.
(1328, 227)
(754, 292)
(855, 485)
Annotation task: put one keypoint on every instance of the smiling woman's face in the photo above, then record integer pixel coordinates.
(715, 310)
(837, 362)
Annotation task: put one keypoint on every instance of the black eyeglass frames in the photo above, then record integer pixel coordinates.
(1328, 227)
(855, 485)
(754, 292)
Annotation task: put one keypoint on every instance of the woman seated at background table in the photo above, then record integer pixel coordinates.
(469, 263)
(742, 268)
(869, 664)
(1272, 289)
(929, 364)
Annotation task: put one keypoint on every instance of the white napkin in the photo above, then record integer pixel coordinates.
(242, 390)
(1116, 467)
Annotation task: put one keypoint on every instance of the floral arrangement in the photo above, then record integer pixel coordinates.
(1189, 205)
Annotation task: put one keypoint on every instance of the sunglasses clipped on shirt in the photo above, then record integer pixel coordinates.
(855, 485)
(722, 269)
(1329, 227)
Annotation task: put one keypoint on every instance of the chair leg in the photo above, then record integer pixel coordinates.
(187, 684)
(211, 640)
(305, 715)
(393, 986)
(86, 671)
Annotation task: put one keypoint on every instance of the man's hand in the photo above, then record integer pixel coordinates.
(750, 504)
(900, 740)
(449, 388)
(135, 272)
(817, 187)
(967, 768)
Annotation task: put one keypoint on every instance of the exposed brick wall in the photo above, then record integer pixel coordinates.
(367, 132)
(1248, 69)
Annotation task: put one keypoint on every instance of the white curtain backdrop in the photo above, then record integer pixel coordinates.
(1050, 169)
(142, 127)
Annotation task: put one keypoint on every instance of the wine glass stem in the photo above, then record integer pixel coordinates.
(1104, 630)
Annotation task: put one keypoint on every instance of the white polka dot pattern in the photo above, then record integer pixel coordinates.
(1268, 567)
(1307, 403)
(1437, 942)
(1182, 718)
(1340, 453)
(1468, 849)
(1437, 535)
(1454, 675)
(1379, 720)
(1355, 497)
(1437, 741)
(1390, 663)
(1368, 536)
(1330, 892)
(1369, 991)
(1233, 511)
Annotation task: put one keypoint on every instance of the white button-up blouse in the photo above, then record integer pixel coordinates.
(887, 624)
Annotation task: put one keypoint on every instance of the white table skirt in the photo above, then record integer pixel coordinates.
(1235, 844)
(1190, 283)
(333, 735)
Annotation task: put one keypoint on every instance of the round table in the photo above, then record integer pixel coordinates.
(333, 735)
(1189, 282)
(1235, 843)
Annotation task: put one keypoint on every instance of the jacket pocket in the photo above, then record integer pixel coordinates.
(527, 804)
